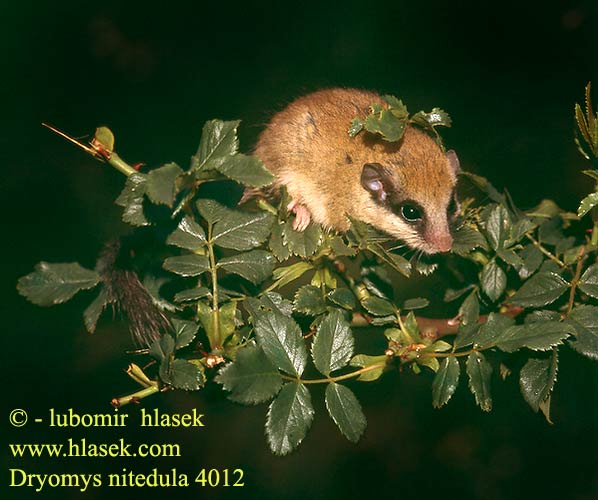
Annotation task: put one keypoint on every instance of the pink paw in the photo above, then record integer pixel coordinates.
(302, 215)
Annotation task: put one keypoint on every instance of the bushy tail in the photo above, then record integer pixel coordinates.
(128, 295)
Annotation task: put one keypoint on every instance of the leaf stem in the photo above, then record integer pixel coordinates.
(539, 246)
(136, 396)
(216, 341)
(338, 378)
(575, 280)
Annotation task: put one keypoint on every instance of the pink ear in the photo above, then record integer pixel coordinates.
(453, 161)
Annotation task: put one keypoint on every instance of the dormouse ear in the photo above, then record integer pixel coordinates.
(372, 176)
(453, 161)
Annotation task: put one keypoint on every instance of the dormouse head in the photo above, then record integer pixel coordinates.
(412, 197)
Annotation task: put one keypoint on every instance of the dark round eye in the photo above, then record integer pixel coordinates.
(411, 213)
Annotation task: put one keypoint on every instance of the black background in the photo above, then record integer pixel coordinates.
(507, 72)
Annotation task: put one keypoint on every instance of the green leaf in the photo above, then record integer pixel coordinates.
(465, 239)
(242, 230)
(192, 294)
(378, 307)
(279, 248)
(469, 313)
(161, 184)
(187, 265)
(387, 125)
(532, 260)
(363, 361)
(281, 339)
(540, 290)
(302, 243)
(520, 228)
(537, 379)
(162, 349)
(308, 300)
(252, 378)
(340, 248)
(184, 332)
(343, 297)
(92, 313)
(285, 275)
(218, 142)
(186, 375)
(493, 328)
(255, 266)
(416, 303)
(247, 170)
(289, 417)
(584, 320)
(345, 410)
(493, 280)
(52, 284)
(211, 210)
(588, 283)
(356, 127)
(189, 235)
(479, 372)
(589, 202)
(332, 347)
(450, 294)
(445, 382)
(498, 225)
(538, 336)
(131, 199)
(270, 301)
(435, 118)
(396, 106)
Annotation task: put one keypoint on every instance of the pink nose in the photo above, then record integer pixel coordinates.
(442, 242)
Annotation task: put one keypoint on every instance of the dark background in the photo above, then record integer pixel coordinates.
(507, 72)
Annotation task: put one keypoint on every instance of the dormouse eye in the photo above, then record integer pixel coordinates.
(411, 213)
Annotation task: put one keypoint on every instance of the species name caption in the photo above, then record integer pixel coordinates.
(85, 448)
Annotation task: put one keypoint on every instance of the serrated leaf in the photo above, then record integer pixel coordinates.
(289, 417)
(364, 361)
(493, 280)
(52, 284)
(302, 243)
(470, 309)
(538, 336)
(356, 127)
(387, 125)
(92, 313)
(161, 184)
(445, 382)
(211, 210)
(396, 261)
(184, 332)
(378, 306)
(479, 372)
(252, 378)
(466, 239)
(498, 226)
(131, 199)
(584, 320)
(281, 339)
(540, 290)
(241, 230)
(588, 283)
(450, 294)
(162, 348)
(416, 303)
(537, 379)
(218, 142)
(187, 265)
(520, 228)
(279, 248)
(492, 329)
(343, 297)
(332, 347)
(509, 257)
(192, 294)
(345, 410)
(255, 266)
(185, 375)
(189, 235)
(532, 260)
(308, 300)
(247, 170)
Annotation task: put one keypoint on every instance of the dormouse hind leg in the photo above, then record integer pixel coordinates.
(302, 215)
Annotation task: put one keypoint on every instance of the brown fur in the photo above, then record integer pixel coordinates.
(308, 148)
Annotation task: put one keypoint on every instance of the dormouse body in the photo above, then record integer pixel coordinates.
(405, 188)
